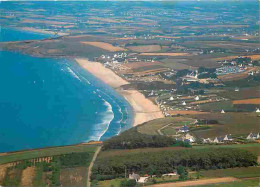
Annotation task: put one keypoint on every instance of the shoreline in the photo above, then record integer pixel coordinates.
(41, 31)
(144, 109)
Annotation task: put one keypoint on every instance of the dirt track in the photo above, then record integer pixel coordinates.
(198, 182)
(91, 165)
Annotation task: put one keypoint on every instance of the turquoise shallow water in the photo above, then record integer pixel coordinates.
(49, 102)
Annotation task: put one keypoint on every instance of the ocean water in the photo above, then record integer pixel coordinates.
(50, 102)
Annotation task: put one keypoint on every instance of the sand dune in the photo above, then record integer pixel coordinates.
(144, 109)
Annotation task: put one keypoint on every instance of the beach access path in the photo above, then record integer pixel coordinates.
(143, 108)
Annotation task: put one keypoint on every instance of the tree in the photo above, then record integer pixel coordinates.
(182, 172)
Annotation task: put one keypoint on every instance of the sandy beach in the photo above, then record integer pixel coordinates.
(30, 29)
(144, 109)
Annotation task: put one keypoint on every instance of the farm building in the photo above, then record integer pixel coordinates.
(184, 129)
(134, 176)
(228, 138)
(253, 136)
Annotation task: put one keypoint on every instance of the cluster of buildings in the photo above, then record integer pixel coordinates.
(229, 69)
(220, 139)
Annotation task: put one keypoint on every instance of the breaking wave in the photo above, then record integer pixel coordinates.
(102, 127)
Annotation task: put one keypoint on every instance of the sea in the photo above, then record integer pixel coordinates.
(54, 102)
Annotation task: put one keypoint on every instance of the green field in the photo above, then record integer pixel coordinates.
(176, 64)
(109, 183)
(243, 183)
(246, 172)
(254, 147)
(218, 106)
(240, 123)
(243, 93)
(23, 155)
(153, 126)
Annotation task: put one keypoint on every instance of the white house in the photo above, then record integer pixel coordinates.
(257, 110)
(218, 140)
(197, 98)
(183, 103)
(253, 136)
(190, 138)
(143, 179)
(170, 174)
(228, 138)
(134, 176)
(222, 111)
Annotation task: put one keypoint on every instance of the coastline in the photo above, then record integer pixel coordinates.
(41, 31)
(144, 109)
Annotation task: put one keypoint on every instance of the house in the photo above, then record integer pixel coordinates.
(134, 176)
(171, 99)
(218, 140)
(143, 179)
(257, 110)
(206, 140)
(197, 98)
(228, 138)
(190, 138)
(184, 129)
(236, 89)
(183, 103)
(222, 111)
(253, 136)
(170, 174)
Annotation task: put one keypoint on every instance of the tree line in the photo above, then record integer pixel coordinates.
(166, 161)
(132, 139)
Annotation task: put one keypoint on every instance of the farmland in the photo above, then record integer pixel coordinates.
(255, 101)
(145, 48)
(36, 153)
(229, 123)
(164, 54)
(105, 46)
(68, 166)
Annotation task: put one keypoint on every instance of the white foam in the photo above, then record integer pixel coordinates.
(101, 128)
(73, 73)
(120, 111)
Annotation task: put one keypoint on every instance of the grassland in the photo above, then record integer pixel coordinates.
(232, 172)
(240, 123)
(252, 147)
(217, 106)
(153, 126)
(176, 64)
(242, 183)
(243, 93)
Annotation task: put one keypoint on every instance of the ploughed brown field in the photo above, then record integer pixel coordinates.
(105, 46)
(253, 57)
(27, 176)
(164, 54)
(255, 101)
(145, 48)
